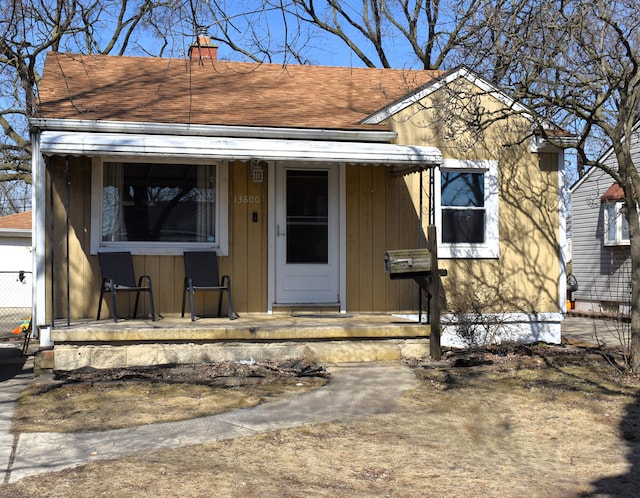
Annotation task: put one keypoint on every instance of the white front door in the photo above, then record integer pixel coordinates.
(307, 234)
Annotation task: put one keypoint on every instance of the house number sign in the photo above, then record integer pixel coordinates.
(246, 199)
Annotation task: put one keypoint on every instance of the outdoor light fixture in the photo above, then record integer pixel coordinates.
(257, 170)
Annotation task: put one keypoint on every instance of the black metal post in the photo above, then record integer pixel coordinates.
(68, 209)
(51, 168)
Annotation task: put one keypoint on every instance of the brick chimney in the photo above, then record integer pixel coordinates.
(202, 48)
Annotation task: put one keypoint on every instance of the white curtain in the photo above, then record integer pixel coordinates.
(113, 227)
(206, 203)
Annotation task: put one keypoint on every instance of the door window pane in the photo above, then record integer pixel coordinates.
(307, 216)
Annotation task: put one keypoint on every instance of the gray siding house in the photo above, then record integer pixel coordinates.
(601, 261)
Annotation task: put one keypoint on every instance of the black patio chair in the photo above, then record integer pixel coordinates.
(201, 274)
(118, 276)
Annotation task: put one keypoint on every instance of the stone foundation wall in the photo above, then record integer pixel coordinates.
(75, 356)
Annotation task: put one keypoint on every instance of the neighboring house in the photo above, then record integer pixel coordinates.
(16, 261)
(601, 261)
(300, 177)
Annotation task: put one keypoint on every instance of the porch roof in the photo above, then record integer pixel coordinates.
(407, 157)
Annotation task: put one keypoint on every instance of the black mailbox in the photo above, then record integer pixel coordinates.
(408, 263)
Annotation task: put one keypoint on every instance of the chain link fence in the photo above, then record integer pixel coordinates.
(15, 300)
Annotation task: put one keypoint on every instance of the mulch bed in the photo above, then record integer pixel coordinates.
(518, 356)
(225, 373)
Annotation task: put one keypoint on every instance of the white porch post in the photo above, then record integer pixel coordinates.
(38, 202)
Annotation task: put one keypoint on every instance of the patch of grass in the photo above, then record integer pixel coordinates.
(103, 406)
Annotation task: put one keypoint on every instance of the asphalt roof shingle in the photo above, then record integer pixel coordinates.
(158, 90)
(20, 221)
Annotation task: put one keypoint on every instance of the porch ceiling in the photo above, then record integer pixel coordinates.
(230, 148)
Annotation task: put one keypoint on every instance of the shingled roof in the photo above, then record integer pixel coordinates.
(159, 90)
(17, 221)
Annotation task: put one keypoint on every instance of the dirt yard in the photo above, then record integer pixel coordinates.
(99, 400)
(535, 422)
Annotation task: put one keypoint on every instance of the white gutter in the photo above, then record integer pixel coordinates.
(15, 232)
(78, 125)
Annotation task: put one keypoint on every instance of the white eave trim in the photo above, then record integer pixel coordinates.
(555, 144)
(78, 125)
(439, 83)
(212, 148)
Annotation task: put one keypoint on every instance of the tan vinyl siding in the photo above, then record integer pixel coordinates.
(247, 260)
(381, 216)
(525, 277)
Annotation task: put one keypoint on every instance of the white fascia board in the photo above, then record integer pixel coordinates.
(78, 125)
(244, 149)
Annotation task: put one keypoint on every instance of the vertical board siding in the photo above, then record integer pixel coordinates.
(352, 242)
(83, 271)
(367, 242)
(236, 263)
(379, 220)
(247, 261)
(380, 216)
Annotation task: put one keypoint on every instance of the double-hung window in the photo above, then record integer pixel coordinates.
(158, 208)
(467, 218)
(616, 224)
(463, 211)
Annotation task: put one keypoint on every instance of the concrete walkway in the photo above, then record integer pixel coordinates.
(16, 373)
(607, 333)
(354, 389)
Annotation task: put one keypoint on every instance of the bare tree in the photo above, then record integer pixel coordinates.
(30, 28)
(577, 64)
(390, 33)
(422, 34)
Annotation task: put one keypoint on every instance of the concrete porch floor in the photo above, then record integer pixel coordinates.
(318, 336)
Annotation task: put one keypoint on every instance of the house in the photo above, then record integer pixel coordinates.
(601, 263)
(301, 178)
(16, 260)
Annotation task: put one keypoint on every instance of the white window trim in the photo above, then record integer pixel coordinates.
(490, 248)
(619, 241)
(221, 246)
